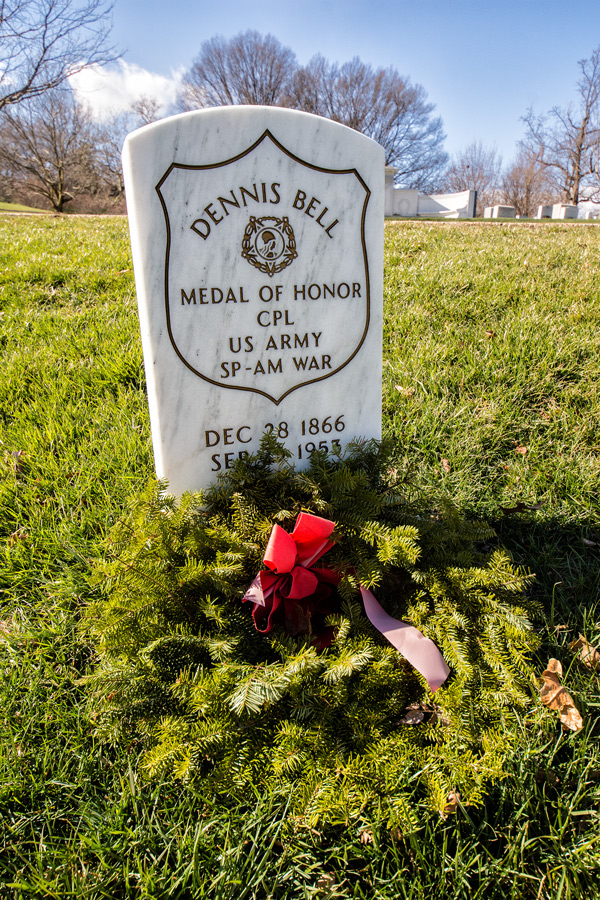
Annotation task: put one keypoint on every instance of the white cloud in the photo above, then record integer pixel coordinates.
(108, 90)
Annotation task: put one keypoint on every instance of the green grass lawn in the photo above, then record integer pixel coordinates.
(491, 374)
(19, 207)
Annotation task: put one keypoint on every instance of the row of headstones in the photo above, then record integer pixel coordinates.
(408, 202)
(552, 211)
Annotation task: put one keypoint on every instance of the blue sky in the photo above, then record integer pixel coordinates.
(482, 62)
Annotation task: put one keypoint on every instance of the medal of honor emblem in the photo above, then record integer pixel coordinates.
(269, 244)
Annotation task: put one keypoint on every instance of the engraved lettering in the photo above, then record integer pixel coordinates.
(298, 202)
(227, 373)
(313, 203)
(253, 196)
(201, 227)
(211, 212)
(321, 215)
(247, 340)
(224, 200)
(190, 299)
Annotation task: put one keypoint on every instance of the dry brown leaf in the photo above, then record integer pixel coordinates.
(555, 666)
(19, 535)
(413, 717)
(451, 804)
(6, 627)
(366, 836)
(555, 696)
(445, 465)
(16, 460)
(520, 449)
(325, 881)
(589, 655)
(406, 392)
(490, 334)
(521, 507)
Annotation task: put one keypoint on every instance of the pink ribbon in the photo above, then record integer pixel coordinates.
(292, 591)
(420, 651)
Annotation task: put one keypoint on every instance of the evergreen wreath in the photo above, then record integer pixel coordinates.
(351, 728)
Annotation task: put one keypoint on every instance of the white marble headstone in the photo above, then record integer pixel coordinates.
(257, 238)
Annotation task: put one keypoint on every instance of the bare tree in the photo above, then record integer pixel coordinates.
(48, 147)
(249, 69)
(526, 183)
(43, 42)
(381, 104)
(476, 168)
(110, 136)
(566, 141)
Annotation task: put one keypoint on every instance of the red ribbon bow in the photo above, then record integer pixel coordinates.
(292, 592)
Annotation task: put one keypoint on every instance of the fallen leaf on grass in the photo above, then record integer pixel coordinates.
(6, 627)
(451, 804)
(554, 696)
(413, 715)
(326, 881)
(16, 460)
(19, 535)
(589, 656)
(406, 392)
(445, 465)
(490, 334)
(521, 507)
(520, 449)
(366, 836)
(587, 543)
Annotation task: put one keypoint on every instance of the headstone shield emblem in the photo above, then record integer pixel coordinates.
(254, 235)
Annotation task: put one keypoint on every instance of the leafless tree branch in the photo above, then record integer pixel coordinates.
(43, 42)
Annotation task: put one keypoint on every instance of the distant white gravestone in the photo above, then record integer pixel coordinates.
(257, 239)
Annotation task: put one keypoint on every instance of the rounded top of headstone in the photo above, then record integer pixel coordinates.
(236, 124)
